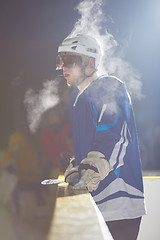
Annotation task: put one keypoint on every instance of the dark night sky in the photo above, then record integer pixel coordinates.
(30, 32)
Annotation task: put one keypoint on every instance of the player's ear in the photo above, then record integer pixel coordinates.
(92, 62)
(90, 68)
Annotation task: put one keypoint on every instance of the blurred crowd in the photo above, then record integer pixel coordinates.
(29, 159)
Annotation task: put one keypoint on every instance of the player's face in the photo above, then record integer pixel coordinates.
(72, 69)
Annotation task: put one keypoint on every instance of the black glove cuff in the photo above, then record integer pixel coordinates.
(83, 166)
(74, 180)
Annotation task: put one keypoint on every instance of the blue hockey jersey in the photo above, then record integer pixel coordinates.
(103, 120)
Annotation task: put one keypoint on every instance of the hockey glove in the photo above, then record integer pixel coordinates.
(94, 168)
(72, 174)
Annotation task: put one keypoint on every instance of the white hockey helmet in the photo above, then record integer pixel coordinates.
(82, 45)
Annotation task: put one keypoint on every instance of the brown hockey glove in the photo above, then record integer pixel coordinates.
(93, 169)
(72, 174)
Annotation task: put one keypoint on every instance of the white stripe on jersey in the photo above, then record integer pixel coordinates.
(117, 185)
(122, 208)
(117, 148)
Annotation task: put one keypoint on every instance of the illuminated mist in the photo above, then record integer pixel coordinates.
(38, 102)
(93, 22)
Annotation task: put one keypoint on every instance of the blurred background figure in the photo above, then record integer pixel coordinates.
(56, 138)
(21, 172)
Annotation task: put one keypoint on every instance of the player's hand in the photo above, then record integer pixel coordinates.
(93, 169)
(72, 174)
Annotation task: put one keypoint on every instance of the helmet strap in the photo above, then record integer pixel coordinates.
(85, 76)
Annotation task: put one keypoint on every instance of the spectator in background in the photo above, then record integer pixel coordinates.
(20, 157)
(55, 136)
(28, 201)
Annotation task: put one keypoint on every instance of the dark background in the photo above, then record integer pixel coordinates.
(30, 32)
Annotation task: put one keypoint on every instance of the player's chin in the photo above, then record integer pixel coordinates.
(69, 82)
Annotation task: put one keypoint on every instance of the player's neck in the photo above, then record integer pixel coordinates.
(87, 81)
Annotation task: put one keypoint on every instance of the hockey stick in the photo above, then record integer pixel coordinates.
(52, 181)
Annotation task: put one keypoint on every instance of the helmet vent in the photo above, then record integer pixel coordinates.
(74, 47)
(93, 50)
(75, 41)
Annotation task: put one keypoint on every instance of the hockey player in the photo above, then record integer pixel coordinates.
(107, 160)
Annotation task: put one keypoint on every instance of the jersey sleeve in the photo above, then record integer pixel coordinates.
(111, 111)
